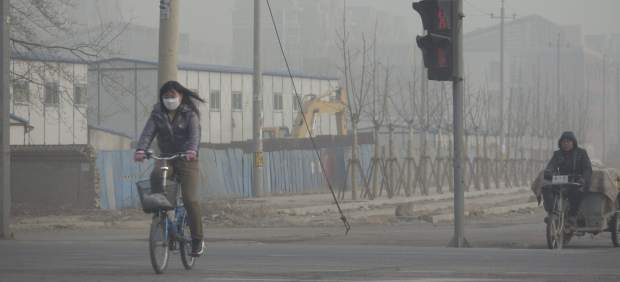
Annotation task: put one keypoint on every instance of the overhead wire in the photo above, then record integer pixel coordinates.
(298, 99)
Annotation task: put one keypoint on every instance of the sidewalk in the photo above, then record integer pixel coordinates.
(297, 210)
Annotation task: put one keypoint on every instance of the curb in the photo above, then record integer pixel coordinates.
(383, 202)
(449, 217)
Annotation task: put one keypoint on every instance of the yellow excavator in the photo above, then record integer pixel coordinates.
(312, 106)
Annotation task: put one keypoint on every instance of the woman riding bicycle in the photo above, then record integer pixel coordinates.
(175, 121)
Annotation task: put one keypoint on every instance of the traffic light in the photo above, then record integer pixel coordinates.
(436, 45)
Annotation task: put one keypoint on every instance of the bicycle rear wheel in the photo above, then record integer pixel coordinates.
(185, 245)
(158, 244)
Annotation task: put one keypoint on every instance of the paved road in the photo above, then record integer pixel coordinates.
(371, 253)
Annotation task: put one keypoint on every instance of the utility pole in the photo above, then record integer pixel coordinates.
(557, 77)
(135, 101)
(168, 41)
(99, 94)
(459, 240)
(257, 108)
(604, 151)
(5, 149)
(618, 100)
(501, 78)
(502, 18)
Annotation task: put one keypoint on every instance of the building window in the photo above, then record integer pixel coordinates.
(277, 101)
(21, 92)
(52, 94)
(237, 101)
(79, 94)
(296, 103)
(214, 100)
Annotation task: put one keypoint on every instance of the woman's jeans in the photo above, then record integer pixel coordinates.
(187, 172)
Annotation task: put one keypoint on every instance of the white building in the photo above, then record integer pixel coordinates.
(48, 93)
(123, 92)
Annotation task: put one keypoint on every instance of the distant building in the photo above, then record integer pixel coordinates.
(307, 30)
(48, 98)
(561, 67)
(123, 92)
(532, 47)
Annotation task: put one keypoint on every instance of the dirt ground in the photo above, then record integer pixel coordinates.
(251, 213)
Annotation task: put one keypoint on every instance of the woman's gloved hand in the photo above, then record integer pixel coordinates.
(139, 156)
(190, 155)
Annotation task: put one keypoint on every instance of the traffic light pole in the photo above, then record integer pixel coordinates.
(459, 240)
(5, 150)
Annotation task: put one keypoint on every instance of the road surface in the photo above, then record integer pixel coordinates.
(504, 250)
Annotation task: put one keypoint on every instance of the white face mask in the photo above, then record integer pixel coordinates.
(172, 103)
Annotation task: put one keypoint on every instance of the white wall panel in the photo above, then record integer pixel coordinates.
(267, 101)
(236, 115)
(205, 116)
(216, 125)
(226, 107)
(247, 107)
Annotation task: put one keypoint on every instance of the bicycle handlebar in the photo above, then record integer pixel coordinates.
(151, 155)
(564, 184)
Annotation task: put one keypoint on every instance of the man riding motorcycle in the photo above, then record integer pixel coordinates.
(570, 160)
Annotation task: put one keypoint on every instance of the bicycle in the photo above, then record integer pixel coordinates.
(558, 234)
(167, 232)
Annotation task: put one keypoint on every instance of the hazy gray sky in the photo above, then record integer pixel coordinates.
(213, 17)
(595, 16)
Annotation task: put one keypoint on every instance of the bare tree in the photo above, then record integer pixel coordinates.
(357, 71)
(44, 26)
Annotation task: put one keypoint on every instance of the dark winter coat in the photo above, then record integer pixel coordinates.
(574, 162)
(173, 136)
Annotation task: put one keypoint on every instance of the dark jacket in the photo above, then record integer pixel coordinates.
(179, 135)
(575, 162)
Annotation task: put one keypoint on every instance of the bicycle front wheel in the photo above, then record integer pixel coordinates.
(185, 245)
(555, 225)
(158, 244)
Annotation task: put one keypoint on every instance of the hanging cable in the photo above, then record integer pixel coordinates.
(347, 226)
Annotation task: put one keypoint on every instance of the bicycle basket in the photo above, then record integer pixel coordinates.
(152, 202)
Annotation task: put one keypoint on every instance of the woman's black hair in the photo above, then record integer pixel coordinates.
(187, 96)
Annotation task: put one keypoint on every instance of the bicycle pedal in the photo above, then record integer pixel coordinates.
(172, 246)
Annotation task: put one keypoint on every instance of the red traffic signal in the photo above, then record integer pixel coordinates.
(436, 45)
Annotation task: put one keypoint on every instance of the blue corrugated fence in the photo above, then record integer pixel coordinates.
(225, 173)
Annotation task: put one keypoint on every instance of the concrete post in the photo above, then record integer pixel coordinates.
(257, 106)
(5, 149)
(168, 41)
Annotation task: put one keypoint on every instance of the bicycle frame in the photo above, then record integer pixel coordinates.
(179, 210)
